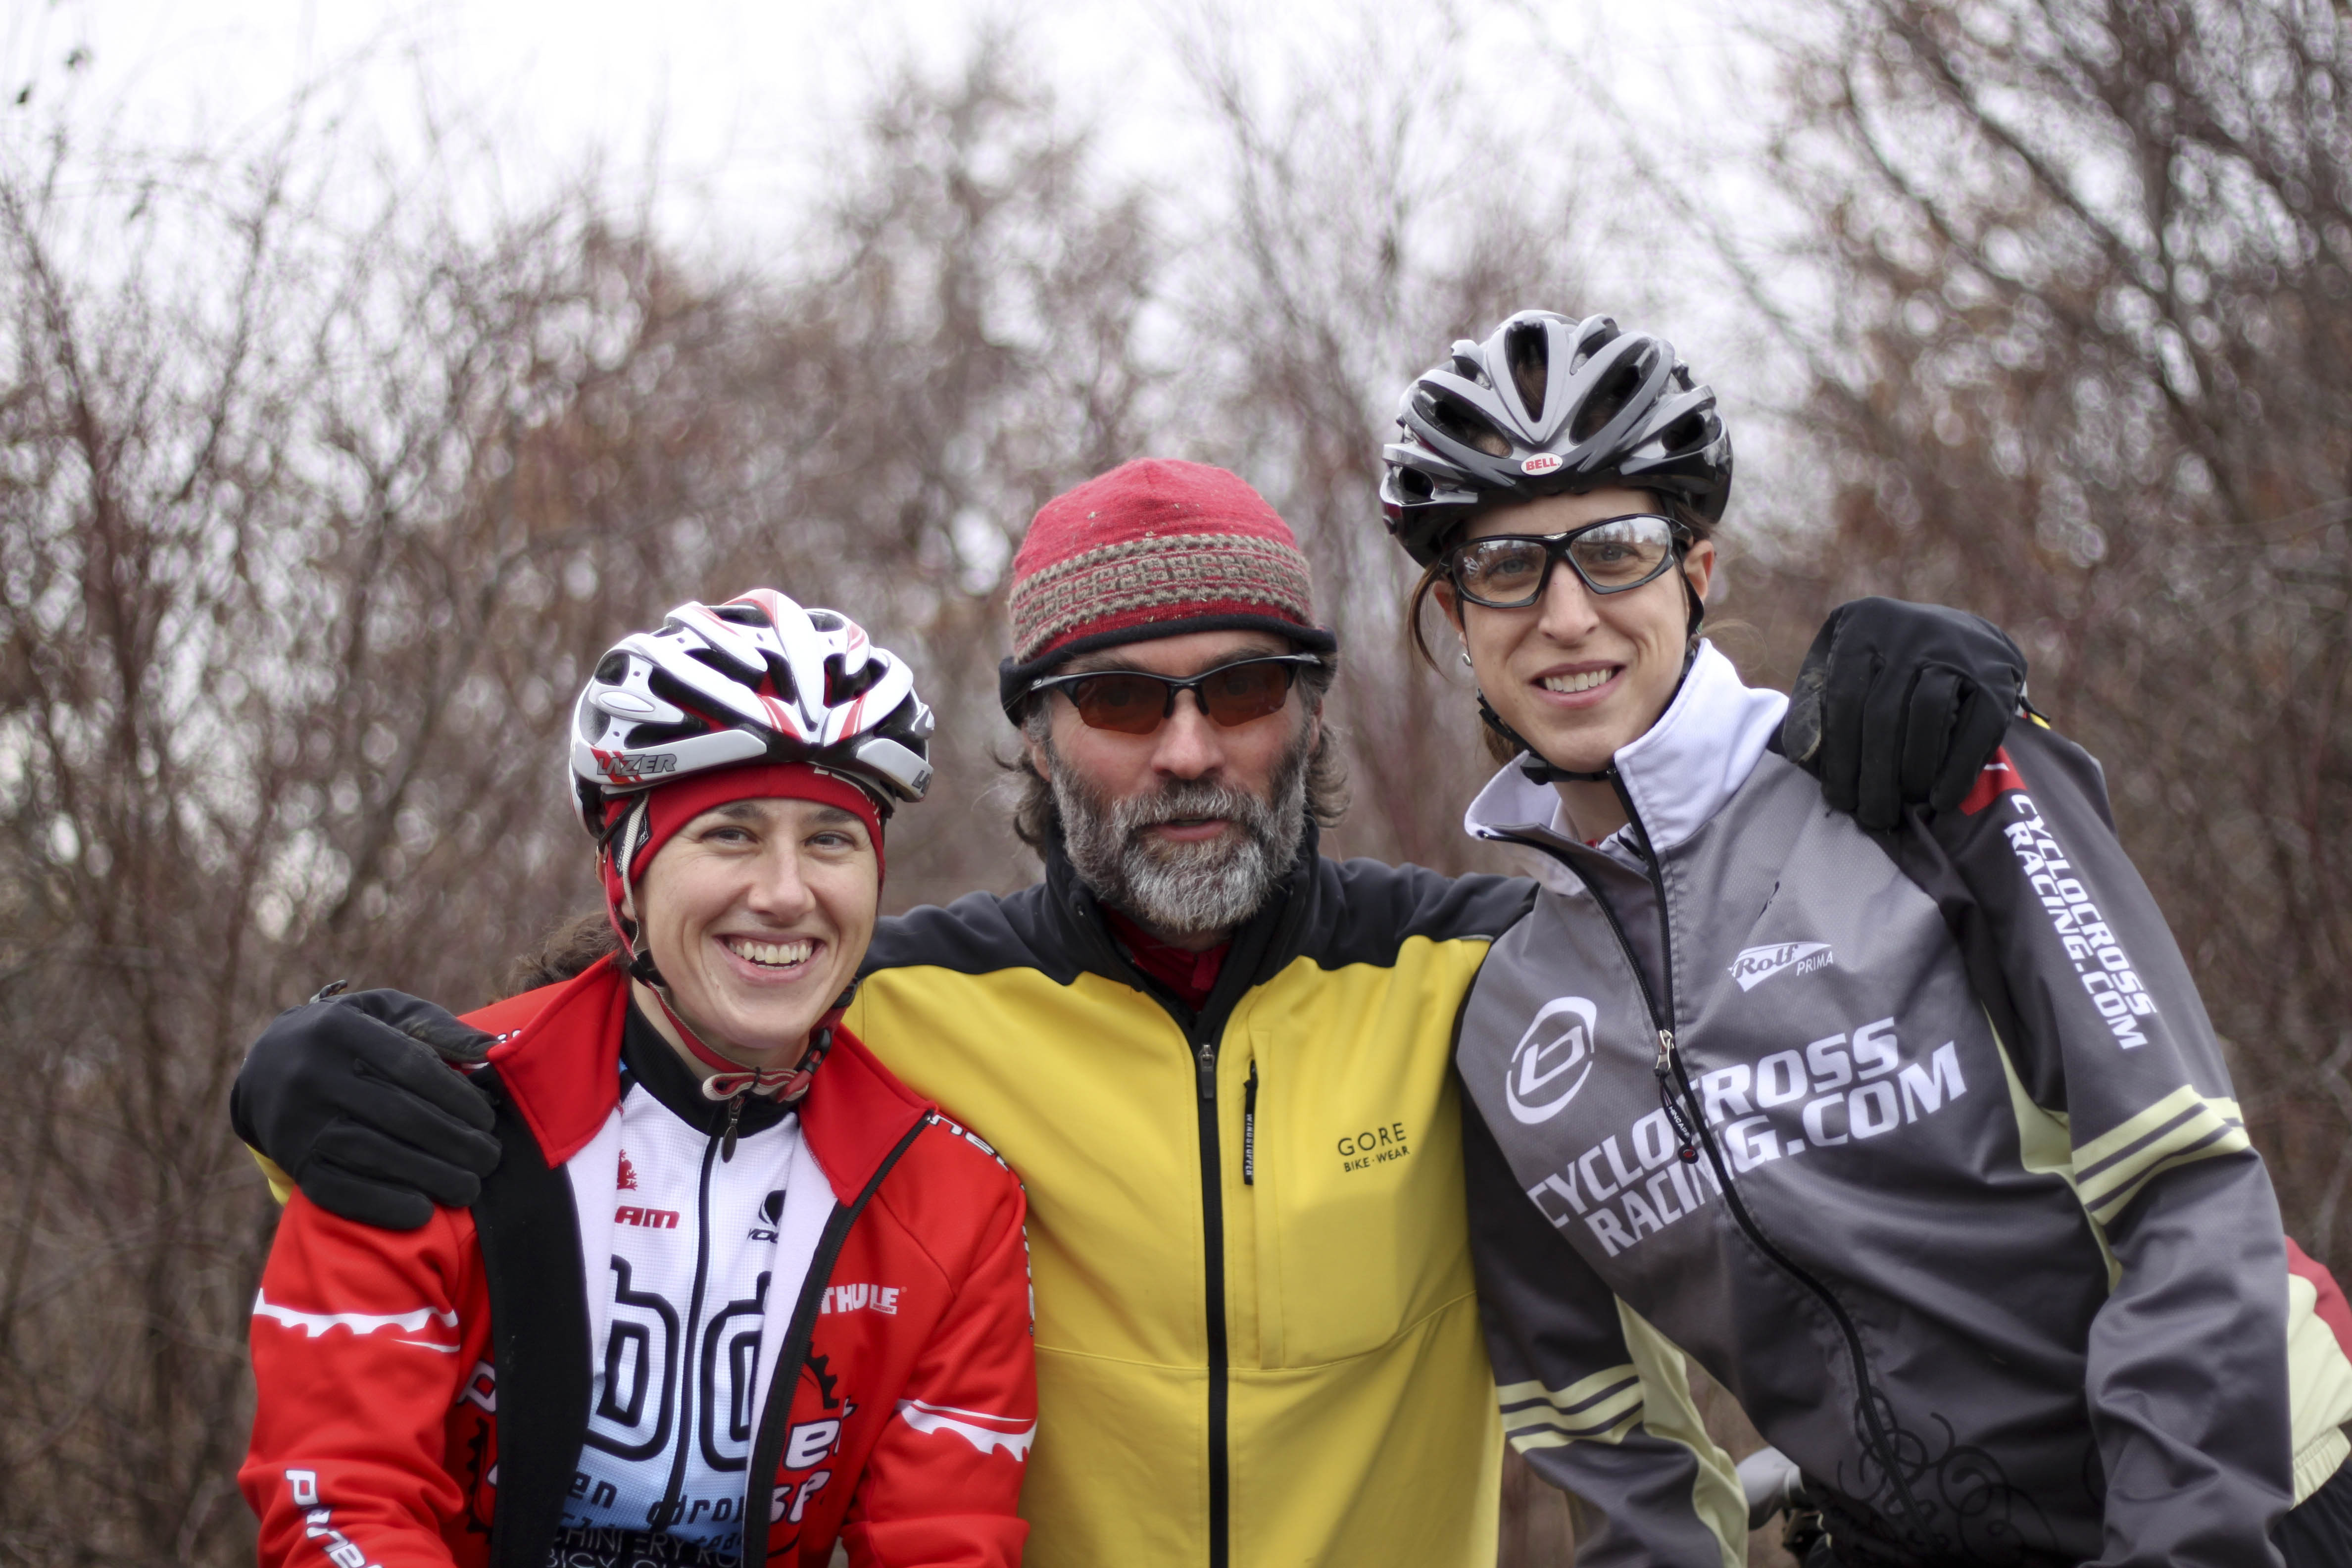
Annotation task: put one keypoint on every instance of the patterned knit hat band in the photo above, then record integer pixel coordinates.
(1155, 547)
(1183, 577)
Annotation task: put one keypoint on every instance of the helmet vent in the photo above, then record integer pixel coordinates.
(743, 614)
(840, 687)
(825, 621)
(645, 737)
(614, 668)
(1609, 400)
(1527, 350)
(714, 659)
(780, 682)
(677, 694)
(1470, 429)
(1683, 434)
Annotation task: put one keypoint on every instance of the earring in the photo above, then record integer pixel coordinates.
(1466, 659)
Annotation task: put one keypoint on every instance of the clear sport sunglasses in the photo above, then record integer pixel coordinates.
(1137, 703)
(1511, 571)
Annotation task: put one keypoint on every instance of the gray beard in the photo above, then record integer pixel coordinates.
(1185, 890)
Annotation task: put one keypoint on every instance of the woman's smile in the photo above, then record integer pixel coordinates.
(1580, 687)
(785, 958)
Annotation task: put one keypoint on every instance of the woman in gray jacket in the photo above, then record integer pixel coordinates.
(1918, 1140)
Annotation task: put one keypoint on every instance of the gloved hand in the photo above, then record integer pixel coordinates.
(352, 1096)
(1900, 705)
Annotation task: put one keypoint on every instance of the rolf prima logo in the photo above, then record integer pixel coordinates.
(1556, 1042)
(1755, 966)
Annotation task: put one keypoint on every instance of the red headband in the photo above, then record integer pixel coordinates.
(670, 808)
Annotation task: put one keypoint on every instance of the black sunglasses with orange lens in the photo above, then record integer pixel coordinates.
(1137, 703)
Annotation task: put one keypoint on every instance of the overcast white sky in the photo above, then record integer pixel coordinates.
(734, 100)
(736, 103)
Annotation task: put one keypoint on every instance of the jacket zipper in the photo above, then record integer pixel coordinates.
(670, 1505)
(1249, 1127)
(1203, 1052)
(1688, 1118)
(760, 1498)
(1213, 1243)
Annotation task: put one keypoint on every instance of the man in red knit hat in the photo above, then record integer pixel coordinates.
(1219, 1060)
(1163, 569)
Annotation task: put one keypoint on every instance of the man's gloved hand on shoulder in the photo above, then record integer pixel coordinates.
(354, 1098)
(1900, 705)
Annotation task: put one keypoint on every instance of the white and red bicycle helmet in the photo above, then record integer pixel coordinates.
(757, 679)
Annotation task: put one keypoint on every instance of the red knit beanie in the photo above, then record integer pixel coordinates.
(1155, 548)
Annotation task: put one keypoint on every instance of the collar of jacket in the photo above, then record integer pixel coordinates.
(558, 1059)
(1678, 773)
(1261, 945)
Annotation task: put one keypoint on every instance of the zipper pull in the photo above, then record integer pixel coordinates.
(1208, 1060)
(734, 1114)
(1686, 1145)
(1249, 1128)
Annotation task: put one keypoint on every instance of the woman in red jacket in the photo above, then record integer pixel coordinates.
(733, 1292)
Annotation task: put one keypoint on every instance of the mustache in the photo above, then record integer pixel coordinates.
(1185, 799)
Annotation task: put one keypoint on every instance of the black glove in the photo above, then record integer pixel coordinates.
(1900, 705)
(353, 1098)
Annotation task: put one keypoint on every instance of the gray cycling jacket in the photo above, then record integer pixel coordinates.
(1948, 1187)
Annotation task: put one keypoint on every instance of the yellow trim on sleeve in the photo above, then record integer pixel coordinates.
(2179, 1130)
(2319, 1389)
(1653, 1389)
(281, 1185)
(1598, 1408)
(2047, 1148)
(1668, 1411)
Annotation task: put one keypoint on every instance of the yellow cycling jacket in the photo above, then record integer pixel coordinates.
(1256, 1339)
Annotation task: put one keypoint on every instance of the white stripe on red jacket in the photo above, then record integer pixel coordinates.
(422, 1396)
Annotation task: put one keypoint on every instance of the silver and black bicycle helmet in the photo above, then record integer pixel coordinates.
(1548, 405)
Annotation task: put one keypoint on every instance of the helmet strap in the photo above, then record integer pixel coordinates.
(1535, 767)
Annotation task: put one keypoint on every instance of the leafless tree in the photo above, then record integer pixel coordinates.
(2084, 370)
(309, 524)
(316, 498)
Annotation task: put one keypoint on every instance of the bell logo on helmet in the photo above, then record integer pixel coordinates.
(1558, 1038)
(1541, 463)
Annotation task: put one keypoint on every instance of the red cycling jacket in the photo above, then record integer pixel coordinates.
(422, 1396)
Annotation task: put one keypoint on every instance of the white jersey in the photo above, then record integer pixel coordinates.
(679, 1312)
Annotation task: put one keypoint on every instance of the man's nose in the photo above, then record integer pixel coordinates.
(1190, 746)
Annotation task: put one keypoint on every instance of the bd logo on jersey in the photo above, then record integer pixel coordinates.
(1755, 966)
(1556, 1042)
